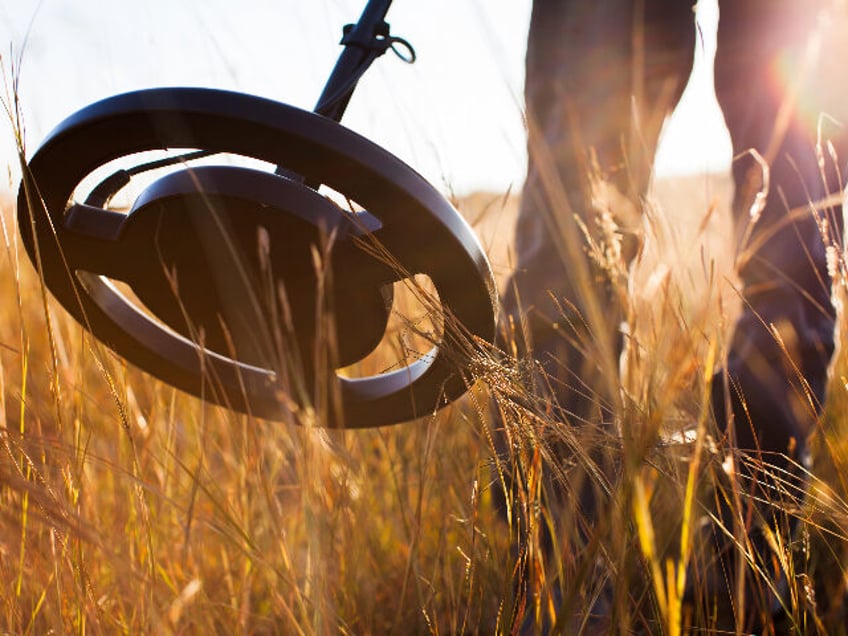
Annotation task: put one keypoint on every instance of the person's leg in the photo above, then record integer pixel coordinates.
(782, 260)
(769, 396)
(600, 78)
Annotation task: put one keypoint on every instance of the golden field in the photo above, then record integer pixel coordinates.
(128, 507)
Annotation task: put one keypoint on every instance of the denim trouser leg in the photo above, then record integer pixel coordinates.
(782, 260)
(600, 78)
(592, 113)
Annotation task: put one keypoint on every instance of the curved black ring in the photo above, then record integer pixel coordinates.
(420, 228)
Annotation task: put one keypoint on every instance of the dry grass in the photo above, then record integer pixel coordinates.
(129, 507)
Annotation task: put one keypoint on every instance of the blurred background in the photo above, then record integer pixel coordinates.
(455, 115)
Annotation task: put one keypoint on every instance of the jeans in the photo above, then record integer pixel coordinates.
(600, 78)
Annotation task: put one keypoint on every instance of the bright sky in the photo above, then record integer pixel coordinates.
(455, 115)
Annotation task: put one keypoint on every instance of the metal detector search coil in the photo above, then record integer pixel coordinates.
(188, 248)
